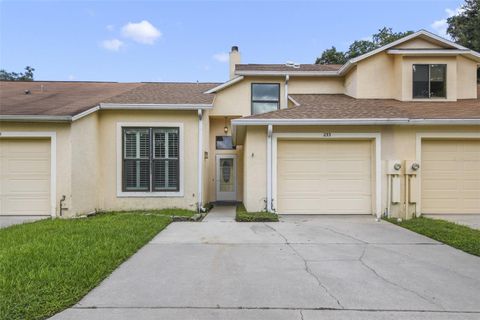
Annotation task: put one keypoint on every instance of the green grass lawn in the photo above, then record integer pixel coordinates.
(243, 216)
(49, 265)
(455, 235)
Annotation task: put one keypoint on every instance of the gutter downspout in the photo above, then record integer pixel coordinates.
(269, 168)
(287, 77)
(200, 161)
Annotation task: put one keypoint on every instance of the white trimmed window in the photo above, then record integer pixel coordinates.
(151, 159)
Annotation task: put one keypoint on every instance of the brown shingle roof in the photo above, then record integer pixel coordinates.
(55, 98)
(58, 98)
(167, 93)
(285, 68)
(338, 106)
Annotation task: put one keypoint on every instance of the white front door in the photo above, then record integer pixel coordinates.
(226, 179)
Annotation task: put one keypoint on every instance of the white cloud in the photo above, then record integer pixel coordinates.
(110, 27)
(142, 32)
(112, 44)
(221, 57)
(440, 26)
(71, 77)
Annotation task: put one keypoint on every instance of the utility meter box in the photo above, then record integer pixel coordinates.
(395, 189)
(412, 167)
(413, 189)
(394, 167)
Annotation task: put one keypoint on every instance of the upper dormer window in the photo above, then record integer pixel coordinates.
(265, 97)
(429, 81)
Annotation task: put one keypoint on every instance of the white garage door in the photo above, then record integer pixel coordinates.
(451, 176)
(324, 177)
(24, 177)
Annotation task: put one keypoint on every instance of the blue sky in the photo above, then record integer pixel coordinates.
(133, 41)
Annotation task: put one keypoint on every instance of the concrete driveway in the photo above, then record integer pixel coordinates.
(320, 267)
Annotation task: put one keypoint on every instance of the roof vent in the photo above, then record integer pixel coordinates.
(292, 64)
(27, 91)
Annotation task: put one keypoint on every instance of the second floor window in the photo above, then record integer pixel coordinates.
(429, 81)
(265, 97)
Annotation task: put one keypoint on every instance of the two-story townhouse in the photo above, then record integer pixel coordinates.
(395, 131)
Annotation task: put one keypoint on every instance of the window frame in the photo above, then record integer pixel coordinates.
(223, 136)
(124, 160)
(264, 101)
(120, 193)
(430, 81)
(155, 159)
(151, 160)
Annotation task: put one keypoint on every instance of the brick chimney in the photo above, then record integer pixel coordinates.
(234, 59)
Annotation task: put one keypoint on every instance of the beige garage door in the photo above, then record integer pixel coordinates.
(451, 176)
(324, 177)
(24, 177)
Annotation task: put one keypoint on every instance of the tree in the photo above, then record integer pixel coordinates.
(331, 56)
(386, 36)
(14, 76)
(357, 48)
(464, 28)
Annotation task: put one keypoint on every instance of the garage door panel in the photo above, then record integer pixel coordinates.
(37, 186)
(330, 206)
(351, 166)
(300, 165)
(324, 177)
(34, 166)
(26, 205)
(450, 176)
(25, 177)
(347, 186)
(302, 186)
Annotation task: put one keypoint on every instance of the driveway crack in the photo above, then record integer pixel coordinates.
(307, 267)
(344, 234)
(362, 261)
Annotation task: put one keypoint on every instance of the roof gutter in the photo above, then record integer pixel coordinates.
(104, 106)
(289, 72)
(152, 106)
(372, 121)
(35, 118)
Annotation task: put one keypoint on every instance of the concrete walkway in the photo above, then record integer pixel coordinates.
(315, 267)
(221, 214)
(469, 220)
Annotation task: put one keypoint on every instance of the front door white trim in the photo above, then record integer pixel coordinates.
(224, 196)
(418, 153)
(53, 159)
(375, 136)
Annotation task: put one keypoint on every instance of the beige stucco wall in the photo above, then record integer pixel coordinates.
(255, 169)
(397, 143)
(63, 159)
(351, 83)
(376, 77)
(466, 78)
(418, 43)
(108, 154)
(85, 164)
(318, 85)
